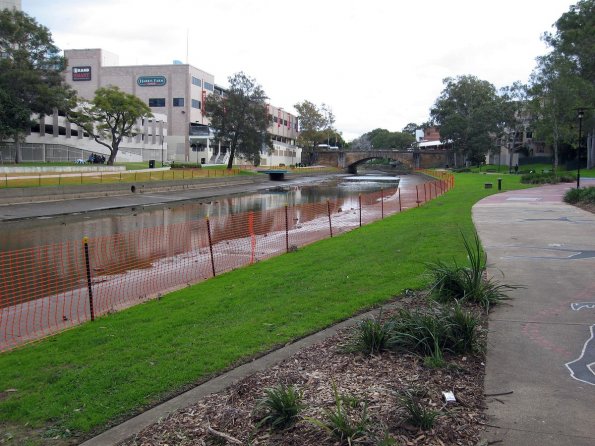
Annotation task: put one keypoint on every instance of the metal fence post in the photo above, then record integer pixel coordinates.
(381, 202)
(211, 246)
(399, 190)
(89, 283)
(417, 195)
(359, 198)
(330, 225)
(286, 230)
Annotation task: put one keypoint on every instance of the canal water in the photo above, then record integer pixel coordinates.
(342, 190)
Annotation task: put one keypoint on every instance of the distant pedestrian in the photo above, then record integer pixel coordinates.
(516, 168)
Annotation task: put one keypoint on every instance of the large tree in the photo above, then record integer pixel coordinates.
(240, 118)
(574, 38)
(30, 75)
(109, 117)
(555, 93)
(469, 113)
(315, 126)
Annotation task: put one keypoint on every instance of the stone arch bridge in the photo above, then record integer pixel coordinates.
(416, 159)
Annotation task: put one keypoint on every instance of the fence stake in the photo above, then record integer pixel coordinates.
(330, 225)
(252, 237)
(89, 284)
(417, 195)
(425, 194)
(381, 203)
(399, 190)
(211, 246)
(360, 209)
(286, 230)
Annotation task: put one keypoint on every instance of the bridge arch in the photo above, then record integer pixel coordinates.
(352, 168)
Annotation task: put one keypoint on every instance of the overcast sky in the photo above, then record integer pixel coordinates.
(377, 63)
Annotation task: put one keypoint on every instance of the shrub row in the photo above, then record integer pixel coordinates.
(576, 196)
(547, 178)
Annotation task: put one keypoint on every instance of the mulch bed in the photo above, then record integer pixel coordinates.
(375, 381)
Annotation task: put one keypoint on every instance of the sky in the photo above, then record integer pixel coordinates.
(376, 63)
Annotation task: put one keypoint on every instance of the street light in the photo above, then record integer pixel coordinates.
(581, 113)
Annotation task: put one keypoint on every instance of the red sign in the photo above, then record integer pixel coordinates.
(81, 73)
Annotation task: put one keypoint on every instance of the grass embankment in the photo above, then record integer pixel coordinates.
(93, 375)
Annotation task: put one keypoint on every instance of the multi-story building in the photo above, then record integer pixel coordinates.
(10, 4)
(176, 94)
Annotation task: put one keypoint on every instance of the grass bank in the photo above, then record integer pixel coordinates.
(83, 380)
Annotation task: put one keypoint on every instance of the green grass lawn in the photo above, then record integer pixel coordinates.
(82, 380)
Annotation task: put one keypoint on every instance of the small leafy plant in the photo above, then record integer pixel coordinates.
(416, 413)
(280, 406)
(343, 424)
(457, 283)
(372, 336)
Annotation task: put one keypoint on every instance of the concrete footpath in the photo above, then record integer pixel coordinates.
(540, 370)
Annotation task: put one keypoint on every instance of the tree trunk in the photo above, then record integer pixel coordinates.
(18, 156)
(231, 157)
(112, 156)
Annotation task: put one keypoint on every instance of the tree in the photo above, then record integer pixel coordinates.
(315, 126)
(575, 39)
(411, 128)
(468, 112)
(240, 118)
(110, 116)
(30, 75)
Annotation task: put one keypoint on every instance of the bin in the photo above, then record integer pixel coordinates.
(151, 164)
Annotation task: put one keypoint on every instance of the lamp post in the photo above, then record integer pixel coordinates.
(581, 113)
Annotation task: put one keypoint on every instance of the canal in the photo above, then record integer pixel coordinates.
(43, 230)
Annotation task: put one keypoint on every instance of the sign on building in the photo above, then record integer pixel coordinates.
(81, 73)
(151, 81)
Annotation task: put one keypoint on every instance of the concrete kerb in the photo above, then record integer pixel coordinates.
(219, 383)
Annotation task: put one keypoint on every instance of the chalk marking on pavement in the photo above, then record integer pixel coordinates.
(581, 368)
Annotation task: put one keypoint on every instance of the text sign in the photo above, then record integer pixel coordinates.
(151, 81)
(81, 73)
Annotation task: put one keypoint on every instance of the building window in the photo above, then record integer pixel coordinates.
(285, 122)
(178, 102)
(156, 102)
(196, 81)
(274, 119)
(208, 86)
(529, 135)
(195, 103)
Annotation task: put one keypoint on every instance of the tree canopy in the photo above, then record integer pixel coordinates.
(109, 117)
(240, 118)
(469, 113)
(564, 80)
(30, 74)
(316, 127)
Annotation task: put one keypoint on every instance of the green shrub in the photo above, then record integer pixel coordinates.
(372, 336)
(345, 426)
(416, 413)
(457, 283)
(584, 195)
(431, 332)
(547, 178)
(178, 165)
(280, 406)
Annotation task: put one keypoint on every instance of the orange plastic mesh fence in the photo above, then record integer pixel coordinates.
(46, 289)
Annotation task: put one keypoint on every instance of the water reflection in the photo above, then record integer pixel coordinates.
(72, 228)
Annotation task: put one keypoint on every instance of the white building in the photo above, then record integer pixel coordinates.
(8, 4)
(175, 93)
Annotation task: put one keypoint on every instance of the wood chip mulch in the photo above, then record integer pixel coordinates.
(374, 381)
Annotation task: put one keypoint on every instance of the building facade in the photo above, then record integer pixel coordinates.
(10, 4)
(176, 94)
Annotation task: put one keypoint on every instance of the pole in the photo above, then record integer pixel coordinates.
(360, 209)
(89, 283)
(330, 225)
(211, 246)
(286, 230)
(417, 195)
(581, 113)
(381, 203)
(399, 189)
